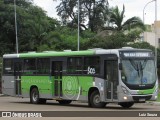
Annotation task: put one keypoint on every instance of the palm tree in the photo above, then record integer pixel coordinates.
(117, 17)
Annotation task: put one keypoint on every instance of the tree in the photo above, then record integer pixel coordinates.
(117, 18)
(93, 11)
(32, 22)
(113, 41)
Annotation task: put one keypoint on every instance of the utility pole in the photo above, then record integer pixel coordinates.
(15, 15)
(78, 28)
(155, 34)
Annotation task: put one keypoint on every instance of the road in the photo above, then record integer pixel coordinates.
(18, 104)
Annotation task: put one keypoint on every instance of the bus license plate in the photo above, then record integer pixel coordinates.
(142, 100)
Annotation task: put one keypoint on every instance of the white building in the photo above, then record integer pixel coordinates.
(152, 32)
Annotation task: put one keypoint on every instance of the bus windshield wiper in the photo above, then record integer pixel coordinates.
(138, 70)
(141, 69)
(138, 66)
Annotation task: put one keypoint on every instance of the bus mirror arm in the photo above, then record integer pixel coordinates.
(120, 66)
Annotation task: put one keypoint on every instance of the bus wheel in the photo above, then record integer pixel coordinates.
(94, 100)
(64, 102)
(34, 97)
(126, 104)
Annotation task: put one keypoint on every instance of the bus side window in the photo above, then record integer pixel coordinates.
(8, 67)
(43, 66)
(74, 65)
(29, 66)
(92, 65)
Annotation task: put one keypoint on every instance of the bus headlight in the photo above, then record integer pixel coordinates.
(155, 97)
(125, 98)
(125, 90)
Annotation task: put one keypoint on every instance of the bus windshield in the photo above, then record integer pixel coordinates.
(138, 72)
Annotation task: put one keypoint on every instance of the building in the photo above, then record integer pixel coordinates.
(151, 32)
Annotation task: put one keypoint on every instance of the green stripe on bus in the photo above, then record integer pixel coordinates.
(49, 54)
(148, 91)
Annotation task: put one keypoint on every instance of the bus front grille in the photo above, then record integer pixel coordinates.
(137, 98)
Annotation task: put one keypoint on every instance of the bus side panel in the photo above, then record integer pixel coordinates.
(86, 82)
(76, 87)
(43, 83)
(8, 85)
(101, 85)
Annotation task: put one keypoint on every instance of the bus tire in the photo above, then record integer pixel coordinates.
(64, 102)
(94, 100)
(34, 97)
(126, 104)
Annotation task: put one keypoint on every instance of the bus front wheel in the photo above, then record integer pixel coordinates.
(34, 97)
(126, 104)
(94, 100)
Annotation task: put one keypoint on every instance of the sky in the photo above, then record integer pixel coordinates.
(132, 8)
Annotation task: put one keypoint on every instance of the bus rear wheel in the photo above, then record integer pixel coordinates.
(94, 100)
(126, 104)
(64, 102)
(34, 97)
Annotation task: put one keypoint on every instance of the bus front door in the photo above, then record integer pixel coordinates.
(111, 76)
(17, 74)
(57, 78)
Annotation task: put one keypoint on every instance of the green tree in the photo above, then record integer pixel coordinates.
(7, 28)
(142, 45)
(113, 41)
(65, 38)
(117, 19)
(32, 22)
(93, 11)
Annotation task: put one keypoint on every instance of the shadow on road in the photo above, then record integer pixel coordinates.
(85, 105)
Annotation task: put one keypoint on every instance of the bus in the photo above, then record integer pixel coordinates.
(98, 76)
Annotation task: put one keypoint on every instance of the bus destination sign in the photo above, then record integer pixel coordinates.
(136, 54)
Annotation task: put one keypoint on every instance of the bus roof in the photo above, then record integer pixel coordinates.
(70, 53)
(49, 54)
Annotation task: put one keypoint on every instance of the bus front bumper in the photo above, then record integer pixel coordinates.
(137, 98)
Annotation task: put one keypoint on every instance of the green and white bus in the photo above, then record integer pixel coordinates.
(97, 76)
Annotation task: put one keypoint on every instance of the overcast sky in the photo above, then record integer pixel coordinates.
(132, 8)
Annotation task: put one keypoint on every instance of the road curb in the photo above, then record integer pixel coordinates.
(153, 103)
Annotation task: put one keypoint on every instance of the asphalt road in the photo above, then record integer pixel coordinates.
(19, 104)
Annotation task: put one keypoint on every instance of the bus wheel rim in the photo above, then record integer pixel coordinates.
(97, 99)
(35, 96)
